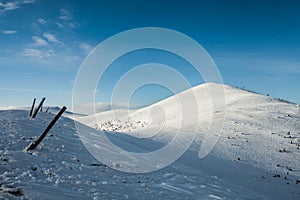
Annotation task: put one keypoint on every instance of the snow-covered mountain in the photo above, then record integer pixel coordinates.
(257, 154)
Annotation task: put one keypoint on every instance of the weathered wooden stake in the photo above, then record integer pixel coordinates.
(33, 145)
(32, 107)
(38, 108)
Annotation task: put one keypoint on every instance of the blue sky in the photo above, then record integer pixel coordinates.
(255, 44)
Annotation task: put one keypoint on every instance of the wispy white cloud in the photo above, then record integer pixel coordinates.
(59, 25)
(9, 32)
(85, 47)
(67, 25)
(73, 25)
(38, 41)
(65, 15)
(38, 53)
(28, 1)
(13, 5)
(9, 6)
(49, 46)
(66, 20)
(51, 38)
(42, 21)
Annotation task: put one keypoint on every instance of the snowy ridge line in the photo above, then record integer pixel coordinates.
(278, 99)
(52, 109)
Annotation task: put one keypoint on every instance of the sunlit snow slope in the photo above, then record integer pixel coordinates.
(256, 157)
(259, 132)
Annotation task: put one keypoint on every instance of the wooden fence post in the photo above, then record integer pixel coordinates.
(38, 108)
(33, 145)
(32, 107)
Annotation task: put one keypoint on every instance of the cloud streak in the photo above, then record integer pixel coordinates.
(85, 47)
(51, 38)
(66, 20)
(38, 53)
(40, 48)
(13, 5)
(38, 41)
(65, 15)
(9, 32)
(42, 21)
(9, 6)
(28, 1)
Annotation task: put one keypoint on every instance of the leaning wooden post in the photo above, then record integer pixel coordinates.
(32, 107)
(33, 145)
(38, 108)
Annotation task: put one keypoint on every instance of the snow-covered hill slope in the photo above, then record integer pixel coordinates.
(259, 132)
(61, 168)
(256, 157)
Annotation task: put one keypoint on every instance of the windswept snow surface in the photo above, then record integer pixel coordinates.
(257, 155)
